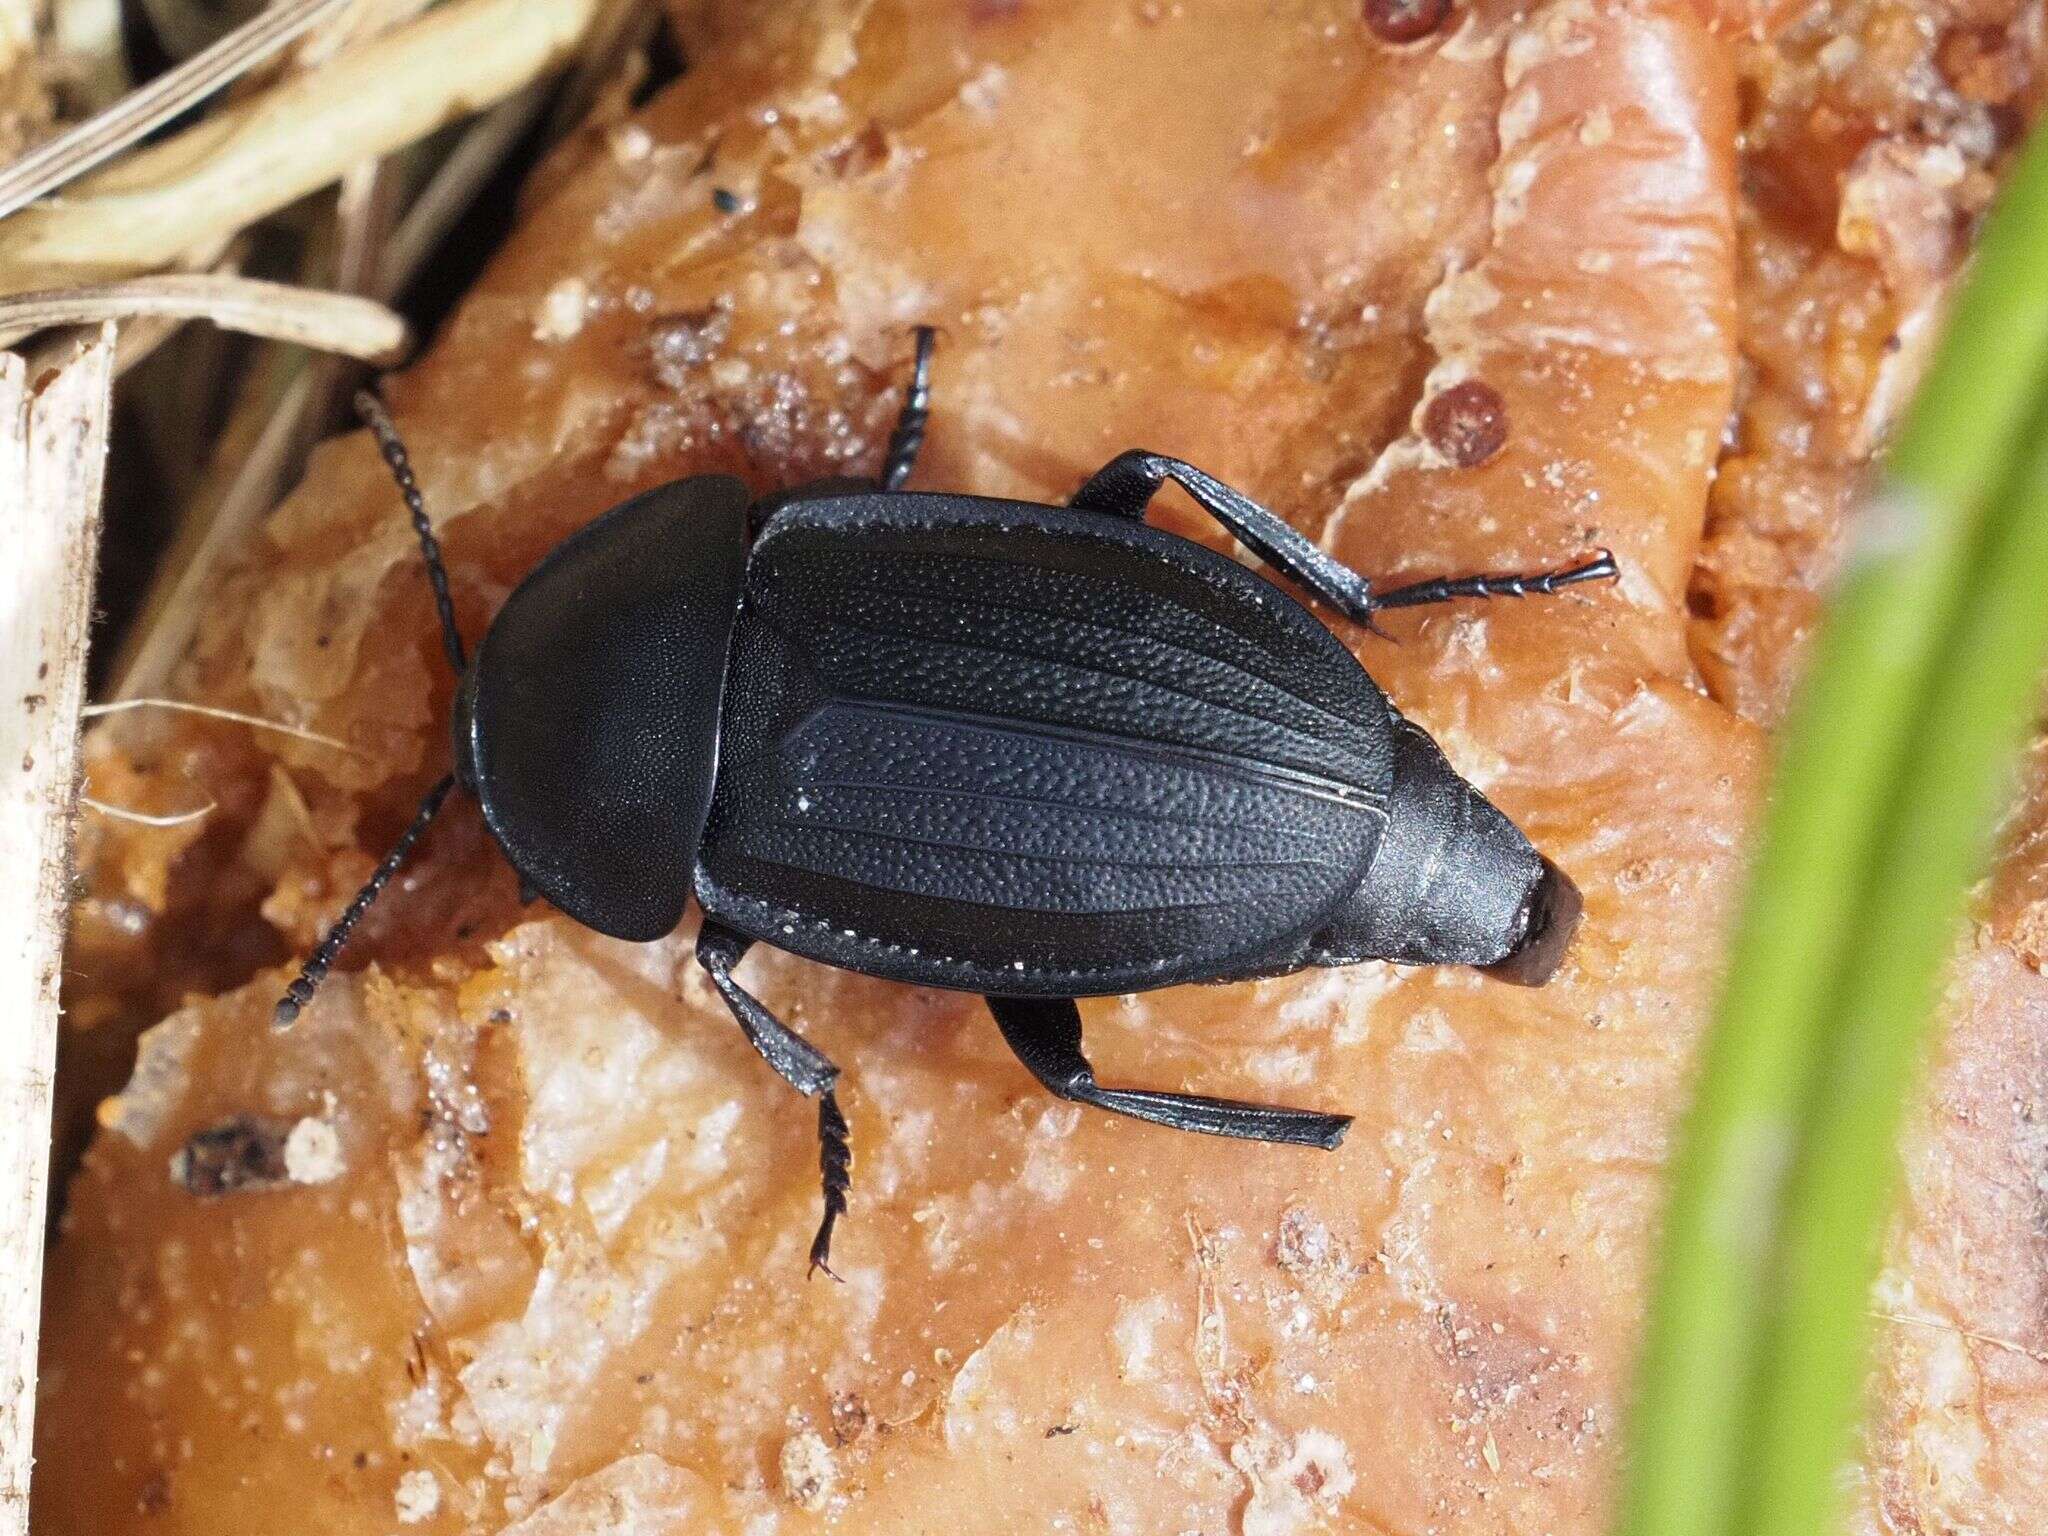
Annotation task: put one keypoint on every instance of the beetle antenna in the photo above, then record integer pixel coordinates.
(314, 971)
(379, 421)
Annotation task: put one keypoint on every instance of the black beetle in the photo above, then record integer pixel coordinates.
(1033, 752)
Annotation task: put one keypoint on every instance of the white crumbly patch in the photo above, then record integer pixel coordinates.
(807, 1470)
(1555, 35)
(163, 1073)
(1134, 1336)
(979, 1404)
(1472, 43)
(312, 1152)
(1296, 1484)
(562, 310)
(1838, 54)
(983, 92)
(634, 1496)
(418, 1497)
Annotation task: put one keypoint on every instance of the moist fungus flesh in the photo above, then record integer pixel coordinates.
(540, 1269)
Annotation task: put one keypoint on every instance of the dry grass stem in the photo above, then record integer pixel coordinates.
(454, 186)
(341, 323)
(53, 447)
(77, 151)
(171, 613)
(304, 133)
(622, 28)
(257, 722)
(1991, 1340)
(142, 818)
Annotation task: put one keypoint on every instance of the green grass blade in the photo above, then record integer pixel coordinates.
(1937, 842)
(1842, 755)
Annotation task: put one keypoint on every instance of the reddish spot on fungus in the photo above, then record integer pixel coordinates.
(1467, 423)
(1405, 21)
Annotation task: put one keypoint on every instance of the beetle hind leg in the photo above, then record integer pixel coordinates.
(797, 1062)
(1124, 487)
(1046, 1035)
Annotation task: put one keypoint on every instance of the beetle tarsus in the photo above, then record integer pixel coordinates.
(835, 1160)
(1500, 584)
(908, 437)
(1045, 1032)
(799, 1063)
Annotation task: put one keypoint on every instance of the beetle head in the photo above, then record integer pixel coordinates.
(588, 725)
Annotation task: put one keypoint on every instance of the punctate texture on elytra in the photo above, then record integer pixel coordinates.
(508, 1234)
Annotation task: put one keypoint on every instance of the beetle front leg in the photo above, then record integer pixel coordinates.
(1046, 1035)
(908, 437)
(799, 1063)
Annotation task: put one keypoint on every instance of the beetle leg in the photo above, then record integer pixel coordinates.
(799, 1063)
(1126, 485)
(1046, 1035)
(908, 437)
(1443, 589)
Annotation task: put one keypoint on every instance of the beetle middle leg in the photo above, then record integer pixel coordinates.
(1046, 1035)
(799, 1063)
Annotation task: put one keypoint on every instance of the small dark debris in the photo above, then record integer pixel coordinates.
(360, 1460)
(154, 1496)
(1467, 423)
(416, 1360)
(246, 1152)
(1405, 21)
(858, 155)
(34, 701)
(1060, 1429)
(500, 1015)
(725, 200)
(850, 1417)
